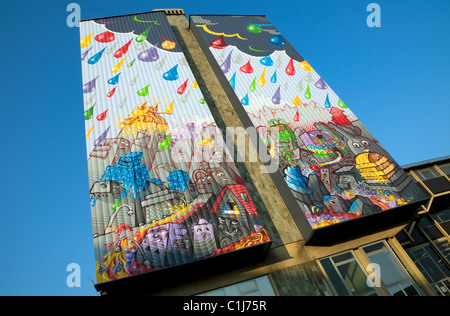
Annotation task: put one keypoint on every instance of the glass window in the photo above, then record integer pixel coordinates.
(392, 273)
(346, 275)
(255, 287)
(445, 167)
(428, 173)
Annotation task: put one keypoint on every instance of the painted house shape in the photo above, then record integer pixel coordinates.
(239, 194)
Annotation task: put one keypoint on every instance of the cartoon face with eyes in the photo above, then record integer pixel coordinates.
(204, 238)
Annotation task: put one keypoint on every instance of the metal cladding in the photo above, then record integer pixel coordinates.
(164, 190)
(336, 171)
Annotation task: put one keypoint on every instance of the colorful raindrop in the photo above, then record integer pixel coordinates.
(297, 101)
(172, 74)
(226, 64)
(182, 88)
(89, 113)
(297, 117)
(85, 41)
(89, 131)
(277, 96)
(247, 68)
(308, 93)
(169, 108)
(252, 28)
(94, 59)
(111, 93)
(149, 55)
(165, 143)
(305, 66)
(327, 102)
(123, 50)
(233, 81)
(262, 80)
(83, 56)
(253, 85)
(142, 37)
(105, 37)
(342, 104)
(245, 100)
(89, 86)
(277, 40)
(274, 77)
(102, 116)
(117, 67)
(218, 43)
(290, 70)
(131, 64)
(143, 92)
(320, 84)
(102, 138)
(114, 80)
(266, 61)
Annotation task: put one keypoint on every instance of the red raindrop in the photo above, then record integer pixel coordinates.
(247, 68)
(102, 116)
(182, 88)
(110, 93)
(297, 117)
(105, 37)
(123, 50)
(218, 43)
(290, 70)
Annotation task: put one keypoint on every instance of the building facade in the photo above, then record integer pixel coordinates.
(321, 209)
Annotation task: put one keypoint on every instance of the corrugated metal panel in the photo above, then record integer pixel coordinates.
(164, 190)
(334, 167)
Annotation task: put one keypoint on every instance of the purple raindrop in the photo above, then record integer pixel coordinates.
(102, 137)
(320, 84)
(83, 56)
(90, 86)
(277, 96)
(226, 64)
(149, 55)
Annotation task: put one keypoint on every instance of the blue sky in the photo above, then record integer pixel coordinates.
(395, 78)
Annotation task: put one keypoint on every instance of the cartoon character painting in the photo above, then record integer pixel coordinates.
(334, 167)
(158, 175)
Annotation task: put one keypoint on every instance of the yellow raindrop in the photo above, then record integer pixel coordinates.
(194, 84)
(117, 67)
(169, 108)
(305, 66)
(297, 101)
(86, 41)
(89, 131)
(262, 81)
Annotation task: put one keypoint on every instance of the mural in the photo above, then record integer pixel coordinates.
(335, 168)
(163, 188)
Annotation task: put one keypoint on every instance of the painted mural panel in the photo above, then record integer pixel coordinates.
(163, 188)
(335, 168)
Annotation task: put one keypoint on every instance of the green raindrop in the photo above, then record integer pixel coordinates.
(253, 85)
(165, 143)
(131, 64)
(143, 36)
(308, 93)
(89, 113)
(202, 101)
(143, 92)
(116, 205)
(342, 104)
